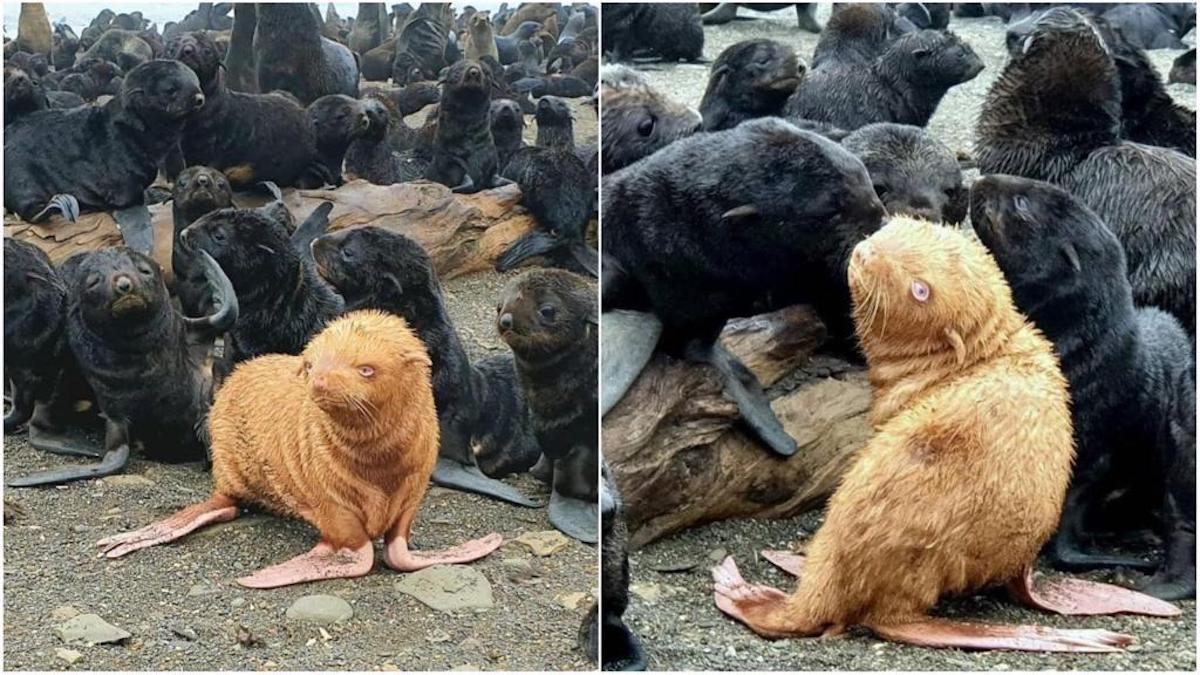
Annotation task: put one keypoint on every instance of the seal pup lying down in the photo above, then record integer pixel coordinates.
(343, 436)
(963, 481)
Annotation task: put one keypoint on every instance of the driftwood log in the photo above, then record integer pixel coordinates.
(680, 459)
(462, 233)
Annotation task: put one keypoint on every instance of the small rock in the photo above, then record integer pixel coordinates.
(270, 664)
(571, 600)
(203, 589)
(69, 655)
(544, 543)
(237, 602)
(519, 571)
(320, 609)
(128, 480)
(389, 667)
(465, 667)
(247, 638)
(718, 554)
(64, 612)
(448, 587)
(730, 652)
(90, 629)
(650, 593)
(470, 644)
(185, 633)
(438, 636)
(675, 566)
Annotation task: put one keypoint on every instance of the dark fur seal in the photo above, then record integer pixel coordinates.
(135, 352)
(913, 172)
(778, 216)
(290, 54)
(250, 137)
(752, 78)
(1151, 25)
(377, 62)
(724, 12)
(549, 320)
(508, 128)
(23, 94)
(480, 414)
(559, 190)
(637, 119)
(508, 46)
(123, 47)
(922, 15)
(198, 191)
(370, 156)
(337, 120)
(464, 154)
(240, 73)
(34, 64)
(856, 33)
(903, 85)
(1127, 367)
(670, 31)
(1046, 121)
(1183, 70)
(421, 44)
(370, 27)
(283, 301)
(555, 123)
(622, 650)
(101, 158)
(91, 78)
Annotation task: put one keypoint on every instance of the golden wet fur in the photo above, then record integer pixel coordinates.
(965, 476)
(353, 457)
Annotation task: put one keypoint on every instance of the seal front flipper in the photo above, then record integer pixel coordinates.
(224, 299)
(466, 187)
(454, 475)
(313, 226)
(627, 341)
(576, 518)
(65, 204)
(969, 635)
(744, 388)
(1079, 597)
(116, 456)
(136, 228)
(586, 256)
(622, 650)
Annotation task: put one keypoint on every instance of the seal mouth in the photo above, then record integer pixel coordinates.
(784, 83)
(130, 303)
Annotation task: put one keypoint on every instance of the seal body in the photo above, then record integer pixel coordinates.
(336, 448)
(464, 154)
(1183, 70)
(637, 119)
(291, 54)
(671, 31)
(857, 33)
(913, 173)
(420, 52)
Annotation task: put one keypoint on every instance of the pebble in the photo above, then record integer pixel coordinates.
(185, 633)
(64, 612)
(471, 644)
(203, 589)
(571, 600)
(237, 602)
(90, 629)
(675, 566)
(718, 554)
(438, 636)
(544, 543)
(69, 655)
(128, 480)
(649, 592)
(320, 609)
(519, 571)
(448, 587)
(467, 667)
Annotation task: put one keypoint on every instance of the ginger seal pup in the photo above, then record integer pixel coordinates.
(964, 479)
(344, 436)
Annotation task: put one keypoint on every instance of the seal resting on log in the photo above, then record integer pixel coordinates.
(343, 436)
(963, 481)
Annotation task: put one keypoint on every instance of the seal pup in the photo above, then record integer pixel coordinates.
(1127, 366)
(508, 129)
(981, 416)
(101, 158)
(904, 84)
(857, 33)
(776, 217)
(337, 120)
(637, 119)
(373, 268)
(548, 318)
(555, 123)
(421, 44)
(250, 137)
(343, 436)
(1045, 121)
(751, 78)
(134, 350)
(23, 94)
(283, 301)
(669, 31)
(559, 190)
(198, 191)
(290, 54)
(464, 154)
(913, 173)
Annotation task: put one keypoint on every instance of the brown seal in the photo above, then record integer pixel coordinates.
(344, 436)
(964, 479)
(33, 29)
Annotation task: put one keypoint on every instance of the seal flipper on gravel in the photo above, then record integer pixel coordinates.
(627, 341)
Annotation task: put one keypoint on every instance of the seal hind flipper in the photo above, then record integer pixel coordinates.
(59, 442)
(744, 388)
(627, 341)
(451, 474)
(466, 187)
(1079, 597)
(65, 204)
(114, 460)
(792, 563)
(932, 632)
(136, 228)
(576, 518)
(586, 256)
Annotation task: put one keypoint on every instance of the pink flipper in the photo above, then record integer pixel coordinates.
(758, 607)
(398, 556)
(933, 632)
(1079, 597)
(792, 563)
(322, 562)
(217, 509)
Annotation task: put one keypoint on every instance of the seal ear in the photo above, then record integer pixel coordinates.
(718, 76)
(1068, 251)
(266, 248)
(394, 282)
(743, 211)
(956, 341)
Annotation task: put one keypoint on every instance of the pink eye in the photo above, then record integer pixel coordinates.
(366, 371)
(920, 291)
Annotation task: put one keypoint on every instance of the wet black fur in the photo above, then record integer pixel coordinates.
(913, 172)
(291, 54)
(637, 119)
(671, 31)
(508, 127)
(752, 78)
(198, 191)
(463, 145)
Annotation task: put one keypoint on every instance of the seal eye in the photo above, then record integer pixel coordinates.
(347, 254)
(547, 312)
(920, 291)
(219, 235)
(93, 280)
(646, 126)
(366, 371)
(145, 270)
(880, 190)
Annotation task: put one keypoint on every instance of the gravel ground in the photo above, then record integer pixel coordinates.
(673, 610)
(187, 588)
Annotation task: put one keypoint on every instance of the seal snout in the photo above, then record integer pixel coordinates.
(505, 322)
(197, 101)
(122, 284)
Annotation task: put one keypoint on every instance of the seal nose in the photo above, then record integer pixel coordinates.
(203, 181)
(506, 321)
(123, 284)
(320, 382)
(187, 50)
(801, 69)
(198, 101)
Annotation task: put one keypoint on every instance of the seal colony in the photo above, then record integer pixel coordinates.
(756, 200)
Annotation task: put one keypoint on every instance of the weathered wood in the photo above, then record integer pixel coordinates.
(680, 458)
(462, 233)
